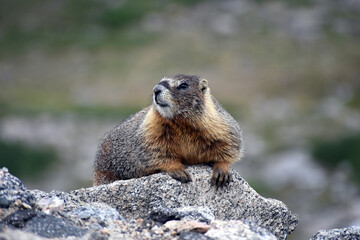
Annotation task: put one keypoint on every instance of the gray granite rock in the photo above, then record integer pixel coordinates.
(238, 230)
(95, 216)
(152, 207)
(12, 190)
(13, 234)
(163, 214)
(192, 236)
(50, 226)
(19, 218)
(19, 210)
(350, 233)
(136, 198)
(30, 220)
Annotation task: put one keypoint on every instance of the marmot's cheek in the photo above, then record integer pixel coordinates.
(196, 103)
(167, 98)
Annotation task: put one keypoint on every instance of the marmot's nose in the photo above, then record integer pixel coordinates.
(157, 90)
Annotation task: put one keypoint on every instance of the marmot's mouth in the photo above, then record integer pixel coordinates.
(160, 103)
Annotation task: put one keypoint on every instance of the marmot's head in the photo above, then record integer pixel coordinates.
(181, 96)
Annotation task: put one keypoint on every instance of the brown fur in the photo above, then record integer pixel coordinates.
(204, 142)
(103, 177)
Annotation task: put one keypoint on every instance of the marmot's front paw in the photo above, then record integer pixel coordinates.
(220, 178)
(181, 175)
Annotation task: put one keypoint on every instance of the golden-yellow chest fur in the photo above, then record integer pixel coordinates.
(192, 141)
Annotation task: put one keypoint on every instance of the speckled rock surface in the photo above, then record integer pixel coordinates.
(351, 233)
(153, 207)
(99, 215)
(12, 190)
(163, 214)
(136, 198)
(50, 226)
(232, 230)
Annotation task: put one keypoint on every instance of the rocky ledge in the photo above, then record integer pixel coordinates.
(153, 207)
(351, 233)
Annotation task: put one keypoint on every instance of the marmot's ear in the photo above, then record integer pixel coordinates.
(203, 85)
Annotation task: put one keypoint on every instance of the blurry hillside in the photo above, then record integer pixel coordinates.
(289, 71)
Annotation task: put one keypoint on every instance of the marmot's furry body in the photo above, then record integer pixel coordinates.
(184, 125)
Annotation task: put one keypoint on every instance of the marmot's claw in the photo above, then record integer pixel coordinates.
(220, 178)
(181, 176)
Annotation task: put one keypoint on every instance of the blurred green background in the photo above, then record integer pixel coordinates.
(289, 71)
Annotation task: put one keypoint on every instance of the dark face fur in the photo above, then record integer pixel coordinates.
(180, 96)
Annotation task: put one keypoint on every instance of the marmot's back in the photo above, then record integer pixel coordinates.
(184, 125)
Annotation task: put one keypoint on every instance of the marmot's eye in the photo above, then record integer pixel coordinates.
(183, 86)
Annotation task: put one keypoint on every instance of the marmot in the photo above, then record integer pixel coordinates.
(184, 125)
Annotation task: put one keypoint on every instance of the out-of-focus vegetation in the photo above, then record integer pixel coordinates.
(25, 161)
(334, 152)
(295, 3)
(85, 111)
(86, 24)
